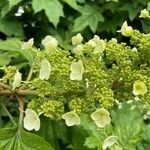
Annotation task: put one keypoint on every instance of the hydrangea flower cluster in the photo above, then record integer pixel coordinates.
(88, 79)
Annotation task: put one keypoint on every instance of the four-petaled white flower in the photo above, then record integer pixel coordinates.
(28, 44)
(77, 39)
(126, 30)
(49, 43)
(31, 120)
(101, 117)
(77, 70)
(139, 88)
(109, 141)
(78, 50)
(45, 70)
(17, 80)
(144, 14)
(71, 118)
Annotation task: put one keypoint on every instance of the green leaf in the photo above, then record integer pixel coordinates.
(12, 138)
(12, 3)
(73, 4)
(92, 142)
(128, 125)
(4, 60)
(13, 46)
(91, 16)
(11, 27)
(145, 143)
(52, 8)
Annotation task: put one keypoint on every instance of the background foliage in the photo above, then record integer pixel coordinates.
(63, 18)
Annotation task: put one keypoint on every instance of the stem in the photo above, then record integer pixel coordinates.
(5, 86)
(5, 92)
(21, 109)
(30, 74)
(26, 92)
(8, 113)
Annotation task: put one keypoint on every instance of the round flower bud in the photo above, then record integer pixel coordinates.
(77, 39)
(28, 44)
(101, 117)
(49, 43)
(139, 88)
(144, 14)
(71, 118)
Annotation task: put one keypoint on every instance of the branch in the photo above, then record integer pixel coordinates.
(3, 85)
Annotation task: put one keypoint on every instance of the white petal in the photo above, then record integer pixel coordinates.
(31, 120)
(109, 141)
(28, 44)
(17, 80)
(45, 70)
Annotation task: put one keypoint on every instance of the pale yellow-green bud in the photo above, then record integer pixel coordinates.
(144, 14)
(139, 88)
(126, 30)
(49, 43)
(77, 39)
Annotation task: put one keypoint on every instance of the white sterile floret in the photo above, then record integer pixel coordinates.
(139, 88)
(71, 118)
(17, 80)
(109, 141)
(126, 30)
(101, 117)
(45, 70)
(31, 120)
(49, 43)
(77, 70)
(100, 47)
(91, 43)
(78, 50)
(77, 39)
(144, 14)
(28, 44)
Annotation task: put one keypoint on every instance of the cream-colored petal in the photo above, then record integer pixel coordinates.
(45, 70)
(77, 70)
(77, 39)
(31, 120)
(101, 117)
(71, 118)
(28, 44)
(109, 141)
(17, 80)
